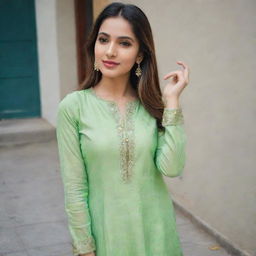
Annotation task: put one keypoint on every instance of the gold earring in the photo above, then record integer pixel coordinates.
(138, 71)
(95, 66)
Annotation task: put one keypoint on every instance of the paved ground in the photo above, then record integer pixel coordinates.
(32, 218)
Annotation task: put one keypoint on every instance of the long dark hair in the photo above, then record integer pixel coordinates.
(147, 86)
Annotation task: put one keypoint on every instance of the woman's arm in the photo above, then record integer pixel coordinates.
(74, 176)
(170, 155)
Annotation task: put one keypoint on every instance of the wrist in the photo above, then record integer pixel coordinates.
(172, 102)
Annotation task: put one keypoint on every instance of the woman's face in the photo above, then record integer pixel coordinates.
(117, 43)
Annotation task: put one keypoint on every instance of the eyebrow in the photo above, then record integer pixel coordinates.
(121, 37)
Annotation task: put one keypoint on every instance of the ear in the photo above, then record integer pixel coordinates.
(139, 57)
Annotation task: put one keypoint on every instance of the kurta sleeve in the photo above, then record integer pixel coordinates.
(74, 177)
(170, 153)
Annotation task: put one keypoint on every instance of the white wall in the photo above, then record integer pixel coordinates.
(66, 46)
(217, 39)
(57, 53)
(48, 57)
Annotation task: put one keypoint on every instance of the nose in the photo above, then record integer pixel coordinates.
(111, 51)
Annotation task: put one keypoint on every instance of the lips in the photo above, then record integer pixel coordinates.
(110, 64)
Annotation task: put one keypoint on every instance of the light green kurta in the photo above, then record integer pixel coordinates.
(112, 168)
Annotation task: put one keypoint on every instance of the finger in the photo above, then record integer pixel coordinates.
(173, 73)
(186, 69)
(170, 75)
(182, 63)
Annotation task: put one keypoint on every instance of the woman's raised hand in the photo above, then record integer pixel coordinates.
(178, 81)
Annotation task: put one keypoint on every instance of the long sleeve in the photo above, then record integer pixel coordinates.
(74, 177)
(170, 154)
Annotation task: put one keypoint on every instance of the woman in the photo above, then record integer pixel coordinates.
(117, 136)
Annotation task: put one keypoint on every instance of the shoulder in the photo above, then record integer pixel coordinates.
(71, 99)
(69, 104)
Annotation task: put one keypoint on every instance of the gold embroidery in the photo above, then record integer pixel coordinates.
(88, 244)
(125, 128)
(172, 116)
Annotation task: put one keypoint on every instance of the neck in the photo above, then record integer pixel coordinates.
(115, 88)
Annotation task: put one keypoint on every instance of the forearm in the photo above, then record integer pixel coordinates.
(170, 153)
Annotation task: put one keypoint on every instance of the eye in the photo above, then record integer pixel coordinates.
(102, 39)
(126, 43)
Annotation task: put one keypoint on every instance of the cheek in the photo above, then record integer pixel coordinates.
(129, 57)
(97, 50)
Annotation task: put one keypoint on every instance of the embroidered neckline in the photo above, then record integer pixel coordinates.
(125, 131)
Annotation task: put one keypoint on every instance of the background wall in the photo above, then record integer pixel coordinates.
(56, 52)
(66, 41)
(217, 39)
(98, 5)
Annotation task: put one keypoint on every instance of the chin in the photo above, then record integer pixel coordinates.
(112, 74)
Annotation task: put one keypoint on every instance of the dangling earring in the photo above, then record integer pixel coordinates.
(138, 71)
(95, 66)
